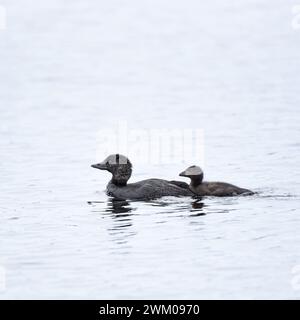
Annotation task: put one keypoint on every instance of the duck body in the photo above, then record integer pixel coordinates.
(147, 189)
(120, 167)
(216, 189)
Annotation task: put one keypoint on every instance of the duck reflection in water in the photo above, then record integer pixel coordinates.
(122, 208)
(197, 205)
(197, 209)
(119, 209)
(121, 229)
(118, 206)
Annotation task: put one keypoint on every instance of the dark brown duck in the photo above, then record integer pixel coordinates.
(217, 189)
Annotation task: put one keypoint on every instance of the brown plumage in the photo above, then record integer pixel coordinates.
(217, 189)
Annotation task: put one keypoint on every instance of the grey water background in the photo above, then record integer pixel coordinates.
(69, 69)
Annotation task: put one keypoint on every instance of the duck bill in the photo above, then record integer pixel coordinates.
(182, 174)
(100, 166)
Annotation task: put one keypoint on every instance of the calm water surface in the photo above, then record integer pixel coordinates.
(69, 69)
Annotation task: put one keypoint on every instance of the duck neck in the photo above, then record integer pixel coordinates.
(196, 180)
(121, 176)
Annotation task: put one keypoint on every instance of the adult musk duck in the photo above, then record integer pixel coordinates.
(121, 169)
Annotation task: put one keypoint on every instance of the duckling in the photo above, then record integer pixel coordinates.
(217, 189)
(121, 169)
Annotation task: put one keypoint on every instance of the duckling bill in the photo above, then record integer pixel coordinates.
(118, 187)
(217, 189)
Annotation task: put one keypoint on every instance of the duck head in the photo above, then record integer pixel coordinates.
(195, 173)
(119, 166)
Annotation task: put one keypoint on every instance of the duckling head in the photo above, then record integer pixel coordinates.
(195, 173)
